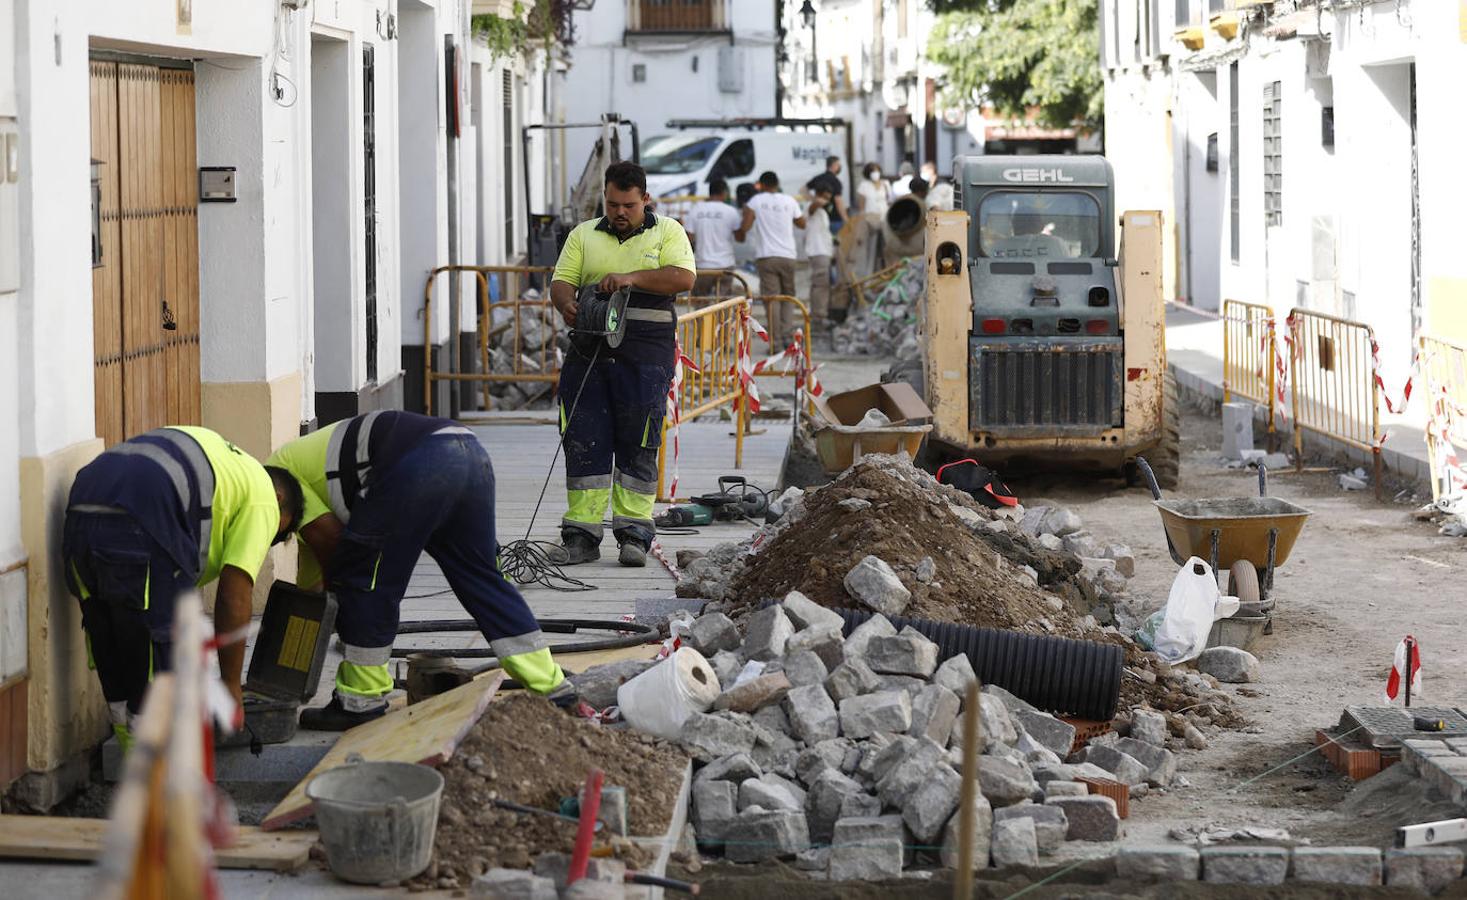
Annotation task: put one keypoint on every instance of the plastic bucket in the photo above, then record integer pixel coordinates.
(377, 819)
(660, 699)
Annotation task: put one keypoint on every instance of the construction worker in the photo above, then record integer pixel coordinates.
(151, 518)
(776, 216)
(612, 400)
(710, 226)
(380, 489)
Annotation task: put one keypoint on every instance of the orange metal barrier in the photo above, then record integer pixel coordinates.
(1249, 350)
(1444, 379)
(1333, 379)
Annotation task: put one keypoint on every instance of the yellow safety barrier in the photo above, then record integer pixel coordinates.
(1333, 378)
(713, 285)
(1249, 350)
(711, 339)
(1444, 379)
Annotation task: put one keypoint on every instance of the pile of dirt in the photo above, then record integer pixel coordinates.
(527, 751)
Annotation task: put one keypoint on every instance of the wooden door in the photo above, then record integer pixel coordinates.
(145, 286)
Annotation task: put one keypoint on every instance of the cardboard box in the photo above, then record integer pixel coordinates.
(897, 401)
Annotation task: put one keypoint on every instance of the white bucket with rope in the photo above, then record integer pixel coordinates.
(660, 699)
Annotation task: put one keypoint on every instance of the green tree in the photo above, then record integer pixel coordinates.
(1018, 54)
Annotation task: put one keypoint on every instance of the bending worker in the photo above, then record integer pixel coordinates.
(612, 400)
(153, 517)
(379, 490)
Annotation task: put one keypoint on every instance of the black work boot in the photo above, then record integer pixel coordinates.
(576, 547)
(335, 717)
(632, 554)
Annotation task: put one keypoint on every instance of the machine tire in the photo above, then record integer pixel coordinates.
(1243, 582)
(1166, 458)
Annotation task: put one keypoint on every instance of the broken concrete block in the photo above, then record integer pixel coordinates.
(1352, 483)
(859, 806)
(1428, 869)
(854, 504)
(512, 884)
(756, 835)
(927, 809)
(1124, 559)
(1161, 765)
(1082, 543)
(902, 654)
(802, 667)
(905, 774)
(815, 759)
(824, 641)
(863, 716)
(955, 674)
(598, 685)
(995, 722)
(1050, 823)
(1033, 516)
(1149, 727)
(1125, 768)
(1157, 864)
(1092, 818)
(934, 710)
(877, 625)
(1059, 522)
(851, 678)
(873, 584)
(907, 684)
(755, 693)
(806, 613)
(823, 803)
(812, 714)
(1053, 733)
(1010, 702)
(926, 570)
(715, 804)
(710, 736)
(1050, 542)
(1337, 865)
(735, 768)
(769, 795)
(1014, 843)
(604, 877)
(1229, 664)
(711, 633)
(1237, 429)
(773, 718)
(950, 852)
(1245, 865)
(882, 752)
(726, 665)
(766, 633)
(1005, 783)
(775, 751)
(867, 848)
(816, 859)
(1066, 789)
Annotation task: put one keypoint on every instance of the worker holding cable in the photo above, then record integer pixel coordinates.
(379, 490)
(612, 399)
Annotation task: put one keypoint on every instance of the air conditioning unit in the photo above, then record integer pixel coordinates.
(731, 70)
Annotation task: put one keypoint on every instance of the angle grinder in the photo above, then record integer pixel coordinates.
(735, 501)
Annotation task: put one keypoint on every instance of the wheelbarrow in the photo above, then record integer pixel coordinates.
(1250, 536)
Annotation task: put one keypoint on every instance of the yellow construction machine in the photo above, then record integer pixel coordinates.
(1042, 346)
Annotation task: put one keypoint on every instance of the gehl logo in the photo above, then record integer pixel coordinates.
(1037, 176)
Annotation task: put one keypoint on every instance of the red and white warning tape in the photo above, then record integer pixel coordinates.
(675, 405)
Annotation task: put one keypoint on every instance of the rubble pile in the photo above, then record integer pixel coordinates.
(890, 333)
(1449, 514)
(527, 340)
(845, 753)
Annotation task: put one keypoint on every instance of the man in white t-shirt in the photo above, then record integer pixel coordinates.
(712, 224)
(819, 248)
(776, 216)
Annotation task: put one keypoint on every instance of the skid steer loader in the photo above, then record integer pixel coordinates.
(1043, 347)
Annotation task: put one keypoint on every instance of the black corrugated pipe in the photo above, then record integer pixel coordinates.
(1059, 675)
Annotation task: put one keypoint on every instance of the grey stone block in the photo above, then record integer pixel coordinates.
(1149, 727)
(1429, 869)
(905, 683)
(863, 716)
(1229, 664)
(773, 718)
(928, 808)
(1066, 789)
(757, 835)
(1092, 818)
(803, 667)
(736, 768)
(882, 752)
(1124, 559)
(1054, 734)
(715, 804)
(1060, 522)
(955, 674)
(860, 806)
(806, 613)
(902, 655)
(1050, 823)
(766, 633)
(1245, 865)
(755, 693)
(995, 722)
(599, 871)
(812, 714)
(598, 685)
(867, 849)
(813, 760)
(1005, 782)
(934, 710)
(823, 804)
(861, 635)
(1161, 765)
(822, 640)
(816, 859)
(1014, 843)
(713, 632)
(851, 678)
(1157, 864)
(512, 884)
(873, 584)
(1010, 702)
(906, 774)
(1237, 429)
(726, 665)
(709, 736)
(950, 853)
(769, 795)
(1123, 766)
(1337, 865)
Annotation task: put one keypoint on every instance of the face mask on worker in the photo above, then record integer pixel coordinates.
(875, 176)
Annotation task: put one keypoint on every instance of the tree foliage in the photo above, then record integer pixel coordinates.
(1022, 54)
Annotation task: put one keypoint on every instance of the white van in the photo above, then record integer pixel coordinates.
(681, 164)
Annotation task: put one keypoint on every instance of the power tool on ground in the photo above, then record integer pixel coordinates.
(735, 501)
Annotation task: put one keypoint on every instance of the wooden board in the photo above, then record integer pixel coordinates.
(80, 840)
(426, 733)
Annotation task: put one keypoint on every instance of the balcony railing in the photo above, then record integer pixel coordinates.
(676, 15)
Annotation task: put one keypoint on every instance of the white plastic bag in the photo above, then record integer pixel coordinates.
(1178, 632)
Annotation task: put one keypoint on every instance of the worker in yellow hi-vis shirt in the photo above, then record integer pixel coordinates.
(612, 399)
(151, 518)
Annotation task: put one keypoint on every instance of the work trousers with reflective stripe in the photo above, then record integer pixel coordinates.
(128, 585)
(438, 498)
(611, 441)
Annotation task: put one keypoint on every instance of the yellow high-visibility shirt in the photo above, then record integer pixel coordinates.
(592, 251)
(246, 514)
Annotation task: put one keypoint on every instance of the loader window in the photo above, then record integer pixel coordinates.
(1039, 225)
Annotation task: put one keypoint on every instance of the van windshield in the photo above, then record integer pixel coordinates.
(677, 154)
(1038, 225)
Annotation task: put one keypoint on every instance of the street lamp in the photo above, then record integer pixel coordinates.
(807, 14)
(812, 65)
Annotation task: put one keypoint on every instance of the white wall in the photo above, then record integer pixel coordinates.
(423, 166)
(336, 219)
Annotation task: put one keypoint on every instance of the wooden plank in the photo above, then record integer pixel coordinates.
(59, 838)
(427, 732)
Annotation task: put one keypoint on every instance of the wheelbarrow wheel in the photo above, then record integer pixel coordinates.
(1166, 458)
(1243, 582)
